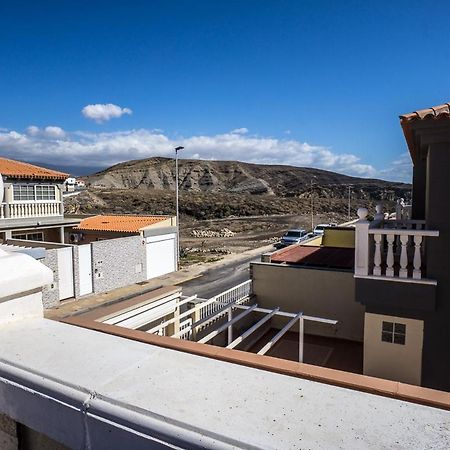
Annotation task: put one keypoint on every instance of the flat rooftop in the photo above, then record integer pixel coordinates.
(204, 402)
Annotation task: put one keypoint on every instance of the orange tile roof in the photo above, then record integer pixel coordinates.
(121, 224)
(20, 169)
(434, 113)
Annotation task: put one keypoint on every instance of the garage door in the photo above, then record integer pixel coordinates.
(161, 255)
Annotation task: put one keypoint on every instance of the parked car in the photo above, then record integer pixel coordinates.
(293, 236)
(319, 229)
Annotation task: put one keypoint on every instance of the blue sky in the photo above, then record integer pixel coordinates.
(315, 83)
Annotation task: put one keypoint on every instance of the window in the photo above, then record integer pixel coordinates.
(45, 192)
(29, 236)
(23, 192)
(394, 333)
(28, 192)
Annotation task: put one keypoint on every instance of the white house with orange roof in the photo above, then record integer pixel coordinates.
(87, 256)
(31, 202)
(156, 235)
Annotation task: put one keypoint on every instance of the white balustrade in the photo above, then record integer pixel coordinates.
(30, 209)
(390, 248)
(235, 294)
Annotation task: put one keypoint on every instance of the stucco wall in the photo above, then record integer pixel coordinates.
(118, 262)
(323, 293)
(393, 361)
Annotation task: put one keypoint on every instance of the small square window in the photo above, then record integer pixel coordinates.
(393, 333)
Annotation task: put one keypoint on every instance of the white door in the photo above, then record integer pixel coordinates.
(85, 268)
(161, 255)
(65, 273)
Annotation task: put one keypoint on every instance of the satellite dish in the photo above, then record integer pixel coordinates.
(2, 190)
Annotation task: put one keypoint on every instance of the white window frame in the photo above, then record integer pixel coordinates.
(394, 332)
(35, 200)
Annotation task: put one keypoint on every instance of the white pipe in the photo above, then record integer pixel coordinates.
(226, 325)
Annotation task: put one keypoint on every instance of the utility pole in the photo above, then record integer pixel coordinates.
(349, 200)
(177, 149)
(312, 206)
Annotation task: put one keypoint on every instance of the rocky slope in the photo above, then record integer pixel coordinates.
(242, 178)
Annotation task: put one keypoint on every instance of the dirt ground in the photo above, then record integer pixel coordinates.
(249, 233)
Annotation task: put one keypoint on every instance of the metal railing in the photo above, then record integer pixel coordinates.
(234, 294)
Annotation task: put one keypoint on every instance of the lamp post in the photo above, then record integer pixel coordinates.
(177, 149)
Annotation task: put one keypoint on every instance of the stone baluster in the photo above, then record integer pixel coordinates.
(417, 260)
(379, 215)
(377, 256)
(2, 214)
(362, 243)
(390, 255)
(403, 273)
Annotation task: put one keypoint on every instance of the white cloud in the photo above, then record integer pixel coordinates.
(54, 132)
(239, 131)
(400, 169)
(50, 132)
(33, 130)
(101, 112)
(104, 149)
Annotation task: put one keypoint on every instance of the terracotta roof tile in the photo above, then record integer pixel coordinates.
(435, 112)
(117, 223)
(19, 169)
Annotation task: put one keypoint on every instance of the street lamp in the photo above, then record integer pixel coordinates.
(177, 149)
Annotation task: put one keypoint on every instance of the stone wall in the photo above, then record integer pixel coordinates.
(50, 294)
(118, 262)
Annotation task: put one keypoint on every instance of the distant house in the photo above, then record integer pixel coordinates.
(156, 236)
(90, 255)
(31, 203)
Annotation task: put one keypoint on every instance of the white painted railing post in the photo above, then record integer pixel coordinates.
(403, 273)
(377, 256)
(390, 255)
(362, 243)
(417, 260)
(230, 328)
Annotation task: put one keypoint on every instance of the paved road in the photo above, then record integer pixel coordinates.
(215, 281)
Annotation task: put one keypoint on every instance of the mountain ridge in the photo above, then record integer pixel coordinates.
(207, 176)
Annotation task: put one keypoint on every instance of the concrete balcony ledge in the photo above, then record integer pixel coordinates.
(100, 391)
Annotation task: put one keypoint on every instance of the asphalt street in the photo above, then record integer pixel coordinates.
(217, 280)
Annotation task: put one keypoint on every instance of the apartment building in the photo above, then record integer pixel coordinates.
(401, 272)
(385, 280)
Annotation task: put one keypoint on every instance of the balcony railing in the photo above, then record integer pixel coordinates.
(390, 249)
(30, 209)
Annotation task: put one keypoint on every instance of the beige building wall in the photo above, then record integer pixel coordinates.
(322, 293)
(393, 361)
